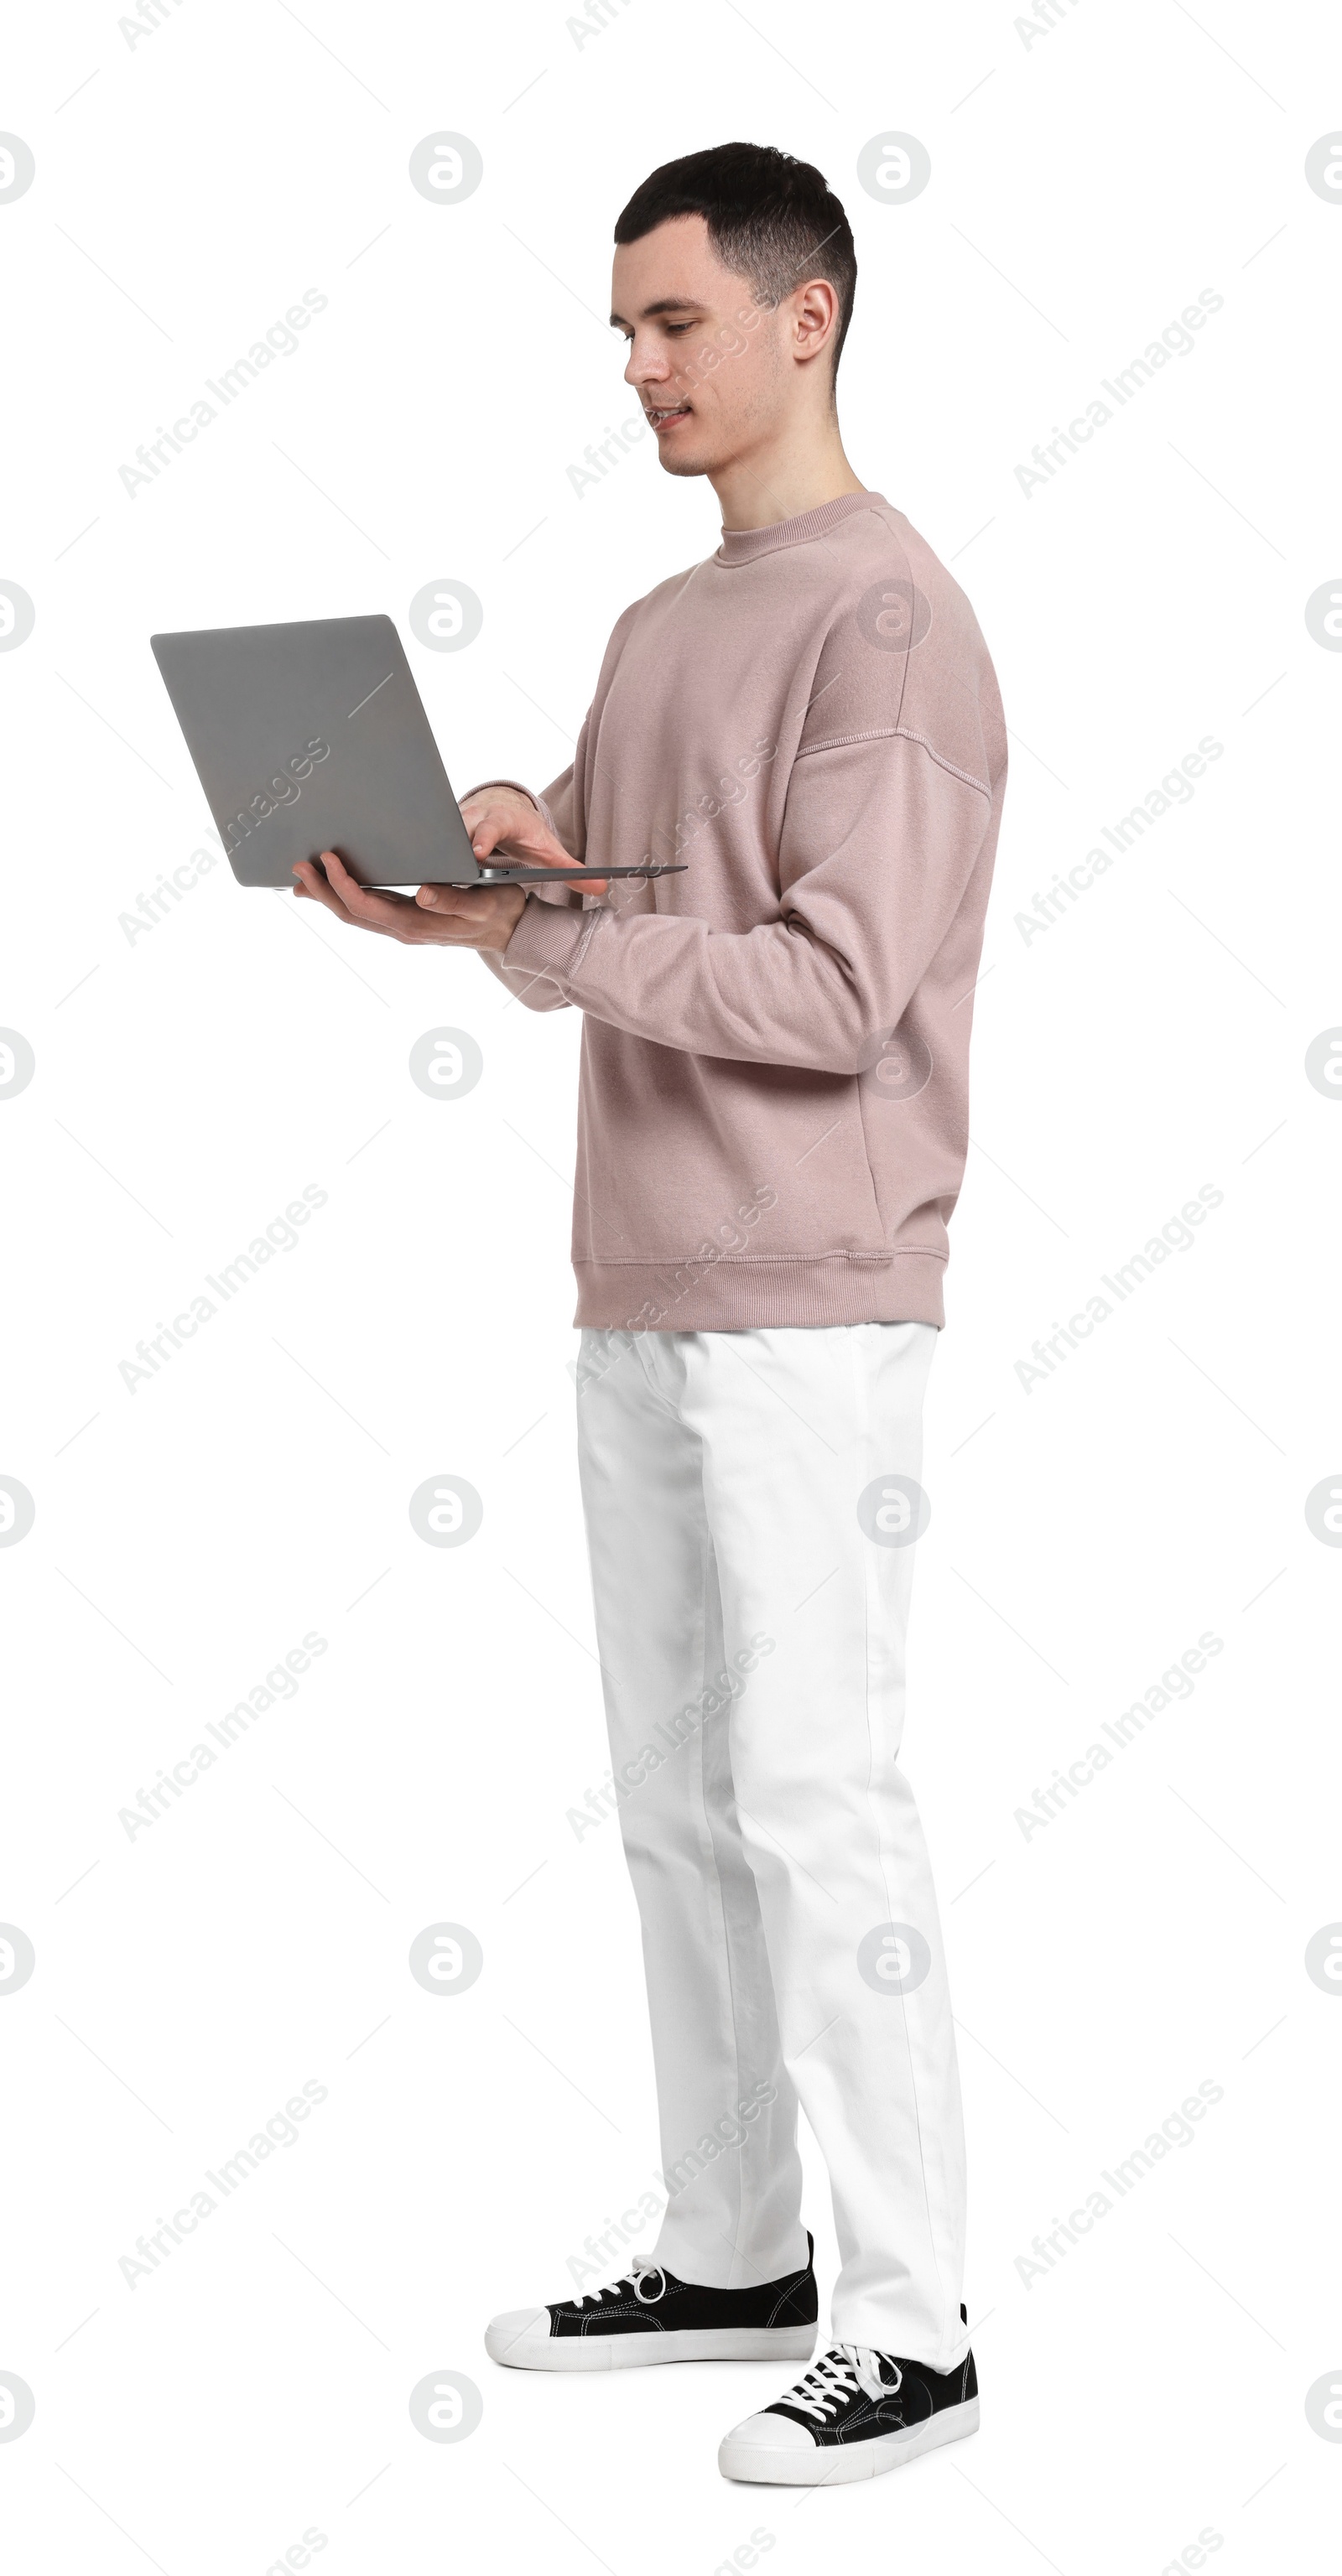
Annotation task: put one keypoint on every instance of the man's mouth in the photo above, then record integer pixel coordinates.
(660, 416)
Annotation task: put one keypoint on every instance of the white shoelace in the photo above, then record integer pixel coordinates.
(639, 2270)
(849, 2370)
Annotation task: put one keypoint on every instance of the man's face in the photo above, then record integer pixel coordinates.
(709, 364)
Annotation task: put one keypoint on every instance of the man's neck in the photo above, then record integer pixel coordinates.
(782, 478)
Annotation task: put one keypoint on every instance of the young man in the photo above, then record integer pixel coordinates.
(772, 1134)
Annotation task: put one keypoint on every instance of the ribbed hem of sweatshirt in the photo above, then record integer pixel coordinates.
(735, 1296)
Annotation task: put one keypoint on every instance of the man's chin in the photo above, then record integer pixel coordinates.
(674, 460)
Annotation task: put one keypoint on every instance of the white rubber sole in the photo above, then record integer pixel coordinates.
(533, 2351)
(760, 2464)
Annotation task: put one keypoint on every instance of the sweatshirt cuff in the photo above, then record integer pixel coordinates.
(549, 938)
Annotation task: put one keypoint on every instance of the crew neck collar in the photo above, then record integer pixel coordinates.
(742, 545)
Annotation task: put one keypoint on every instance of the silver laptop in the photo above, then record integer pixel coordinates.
(313, 737)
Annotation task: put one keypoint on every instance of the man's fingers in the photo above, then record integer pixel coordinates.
(500, 823)
(359, 901)
(312, 883)
(538, 849)
(511, 831)
(483, 919)
(445, 898)
(516, 832)
(354, 905)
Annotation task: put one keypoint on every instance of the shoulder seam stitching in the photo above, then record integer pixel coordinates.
(904, 733)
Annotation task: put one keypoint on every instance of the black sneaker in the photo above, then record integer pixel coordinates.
(855, 2415)
(651, 2316)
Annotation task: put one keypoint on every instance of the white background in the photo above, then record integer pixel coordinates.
(1086, 185)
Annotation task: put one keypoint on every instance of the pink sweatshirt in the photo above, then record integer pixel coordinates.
(772, 1116)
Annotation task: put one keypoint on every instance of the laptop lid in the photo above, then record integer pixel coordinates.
(313, 736)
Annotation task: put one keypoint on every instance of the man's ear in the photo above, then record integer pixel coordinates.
(815, 317)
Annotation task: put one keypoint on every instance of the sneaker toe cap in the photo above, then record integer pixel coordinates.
(507, 2337)
(770, 2433)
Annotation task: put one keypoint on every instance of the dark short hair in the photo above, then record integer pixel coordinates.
(770, 218)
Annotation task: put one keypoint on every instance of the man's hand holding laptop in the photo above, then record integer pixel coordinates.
(499, 819)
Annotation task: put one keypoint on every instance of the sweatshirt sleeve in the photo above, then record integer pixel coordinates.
(878, 845)
(560, 809)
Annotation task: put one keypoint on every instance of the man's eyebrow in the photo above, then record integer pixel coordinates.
(664, 304)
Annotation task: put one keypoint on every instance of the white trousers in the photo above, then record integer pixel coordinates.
(752, 1535)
